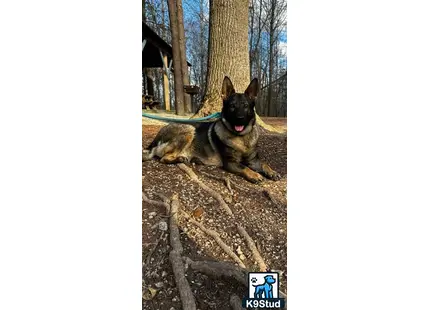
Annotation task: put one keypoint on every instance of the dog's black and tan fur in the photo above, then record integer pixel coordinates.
(229, 142)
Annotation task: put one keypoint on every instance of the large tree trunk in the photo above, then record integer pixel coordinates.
(177, 72)
(184, 66)
(228, 51)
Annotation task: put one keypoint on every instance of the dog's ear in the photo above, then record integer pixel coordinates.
(252, 89)
(227, 88)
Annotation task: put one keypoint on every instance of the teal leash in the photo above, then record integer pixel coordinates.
(183, 120)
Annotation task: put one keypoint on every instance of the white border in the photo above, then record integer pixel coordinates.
(358, 162)
(70, 159)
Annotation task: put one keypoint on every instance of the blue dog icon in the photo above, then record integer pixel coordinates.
(265, 288)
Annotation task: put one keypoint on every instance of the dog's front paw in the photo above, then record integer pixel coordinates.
(256, 180)
(253, 177)
(270, 173)
(274, 176)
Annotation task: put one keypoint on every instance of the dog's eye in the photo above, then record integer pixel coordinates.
(246, 105)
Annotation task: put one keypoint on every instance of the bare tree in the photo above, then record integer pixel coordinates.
(267, 25)
(272, 4)
(196, 31)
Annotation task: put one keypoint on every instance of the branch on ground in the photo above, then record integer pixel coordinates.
(162, 197)
(187, 297)
(175, 242)
(148, 257)
(219, 269)
(253, 248)
(275, 201)
(217, 239)
(156, 203)
(222, 270)
(229, 183)
(226, 180)
(206, 188)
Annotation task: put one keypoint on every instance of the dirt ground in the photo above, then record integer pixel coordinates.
(264, 219)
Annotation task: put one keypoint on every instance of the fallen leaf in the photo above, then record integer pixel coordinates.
(149, 293)
(198, 212)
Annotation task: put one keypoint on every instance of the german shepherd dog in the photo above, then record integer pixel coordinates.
(229, 142)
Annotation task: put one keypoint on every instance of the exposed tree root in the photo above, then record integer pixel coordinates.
(270, 196)
(174, 230)
(235, 302)
(148, 257)
(219, 270)
(243, 188)
(156, 203)
(230, 183)
(217, 239)
(275, 201)
(213, 193)
(226, 180)
(267, 126)
(210, 268)
(163, 198)
(253, 248)
(187, 297)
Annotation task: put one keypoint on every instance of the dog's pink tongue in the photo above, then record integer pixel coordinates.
(238, 128)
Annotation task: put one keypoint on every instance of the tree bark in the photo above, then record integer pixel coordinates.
(182, 49)
(203, 43)
(185, 292)
(228, 54)
(228, 51)
(177, 72)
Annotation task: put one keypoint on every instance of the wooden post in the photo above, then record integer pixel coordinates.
(182, 49)
(166, 88)
(166, 85)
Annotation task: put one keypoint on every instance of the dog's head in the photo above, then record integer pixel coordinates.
(238, 109)
(269, 279)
